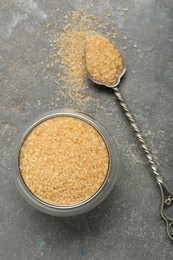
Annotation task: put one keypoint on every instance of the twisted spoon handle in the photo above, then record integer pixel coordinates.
(166, 194)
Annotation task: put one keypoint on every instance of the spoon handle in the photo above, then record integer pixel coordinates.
(166, 194)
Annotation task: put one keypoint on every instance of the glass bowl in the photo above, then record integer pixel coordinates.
(97, 197)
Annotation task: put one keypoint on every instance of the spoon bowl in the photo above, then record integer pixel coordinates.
(104, 63)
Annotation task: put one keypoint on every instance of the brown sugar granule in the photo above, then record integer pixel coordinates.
(64, 161)
(103, 60)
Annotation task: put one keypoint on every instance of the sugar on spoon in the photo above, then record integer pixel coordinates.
(106, 66)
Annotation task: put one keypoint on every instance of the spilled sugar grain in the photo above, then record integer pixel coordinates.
(70, 46)
(67, 56)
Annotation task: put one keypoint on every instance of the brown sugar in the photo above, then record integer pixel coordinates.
(70, 46)
(66, 60)
(64, 161)
(103, 60)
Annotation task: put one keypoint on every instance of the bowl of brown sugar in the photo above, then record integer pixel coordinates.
(66, 163)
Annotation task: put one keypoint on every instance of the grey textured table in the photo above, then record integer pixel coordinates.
(127, 225)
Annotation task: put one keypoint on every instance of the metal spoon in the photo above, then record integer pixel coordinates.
(166, 194)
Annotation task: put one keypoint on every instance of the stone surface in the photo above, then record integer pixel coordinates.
(127, 225)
